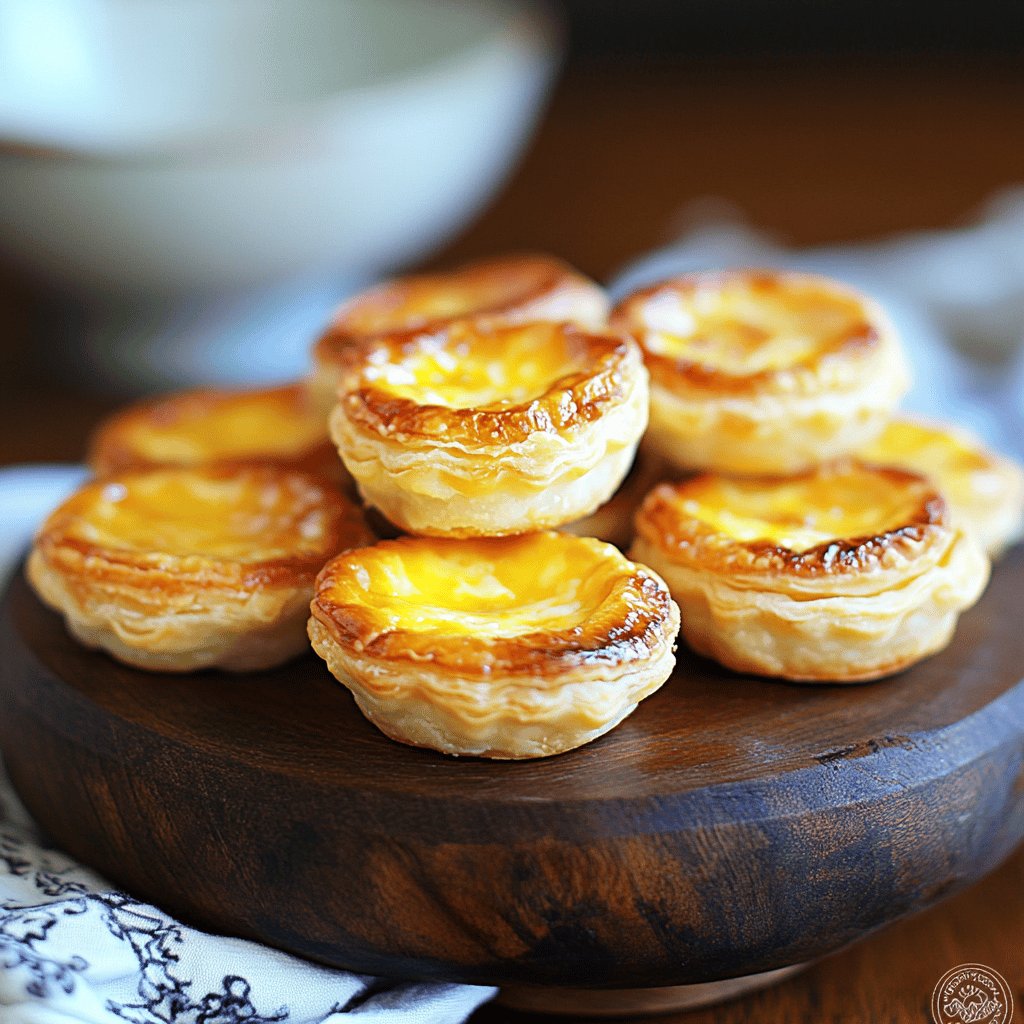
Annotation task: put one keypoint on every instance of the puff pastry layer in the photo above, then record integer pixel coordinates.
(507, 289)
(613, 521)
(490, 430)
(984, 489)
(505, 648)
(845, 574)
(182, 569)
(280, 426)
(762, 371)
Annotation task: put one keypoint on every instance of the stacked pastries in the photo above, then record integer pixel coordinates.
(819, 541)
(482, 411)
(478, 431)
(476, 410)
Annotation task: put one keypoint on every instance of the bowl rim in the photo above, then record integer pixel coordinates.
(522, 31)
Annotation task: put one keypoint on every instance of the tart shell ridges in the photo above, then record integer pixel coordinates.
(175, 570)
(538, 459)
(512, 289)
(984, 489)
(840, 608)
(565, 638)
(756, 371)
(217, 427)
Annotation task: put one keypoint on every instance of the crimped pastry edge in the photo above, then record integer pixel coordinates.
(626, 627)
(111, 451)
(563, 294)
(779, 420)
(450, 486)
(858, 560)
(430, 707)
(234, 630)
(831, 637)
(994, 512)
(173, 613)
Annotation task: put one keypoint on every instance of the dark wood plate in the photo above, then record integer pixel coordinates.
(730, 826)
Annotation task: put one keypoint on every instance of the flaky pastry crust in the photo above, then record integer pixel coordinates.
(213, 427)
(845, 574)
(505, 648)
(613, 521)
(506, 289)
(489, 431)
(181, 569)
(756, 371)
(984, 489)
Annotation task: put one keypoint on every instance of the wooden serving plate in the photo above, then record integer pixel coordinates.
(730, 826)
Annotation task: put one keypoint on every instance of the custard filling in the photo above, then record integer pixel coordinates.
(211, 427)
(904, 442)
(803, 512)
(478, 369)
(240, 516)
(740, 328)
(417, 301)
(490, 588)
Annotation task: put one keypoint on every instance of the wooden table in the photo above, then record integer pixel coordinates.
(815, 152)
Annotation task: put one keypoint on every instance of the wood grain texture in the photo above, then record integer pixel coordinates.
(886, 979)
(730, 826)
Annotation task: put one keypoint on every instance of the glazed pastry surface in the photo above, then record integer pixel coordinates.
(181, 569)
(488, 431)
(508, 648)
(218, 427)
(758, 372)
(848, 573)
(985, 490)
(508, 289)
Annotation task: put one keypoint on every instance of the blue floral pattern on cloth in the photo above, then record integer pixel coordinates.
(73, 948)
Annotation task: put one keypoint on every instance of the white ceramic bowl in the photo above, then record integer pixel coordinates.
(184, 146)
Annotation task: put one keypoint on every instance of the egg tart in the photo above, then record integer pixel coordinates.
(208, 426)
(758, 371)
(191, 568)
(984, 489)
(507, 289)
(844, 574)
(613, 521)
(480, 430)
(511, 647)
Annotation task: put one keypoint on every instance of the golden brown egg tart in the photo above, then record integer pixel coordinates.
(506, 289)
(756, 371)
(182, 569)
(984, 489)
(215, 427)
(512, 647)
(491, 430)
(844, 574)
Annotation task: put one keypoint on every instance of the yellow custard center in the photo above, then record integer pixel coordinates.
(803, 513)
(431, 298)
(211, 426)
(741, 330)
(926, 449)
(242, 516)
(490, 588)
(477, 370)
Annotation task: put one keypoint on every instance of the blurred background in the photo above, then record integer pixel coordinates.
(187, 187)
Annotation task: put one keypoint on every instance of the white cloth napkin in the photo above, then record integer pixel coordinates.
(74, 949)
